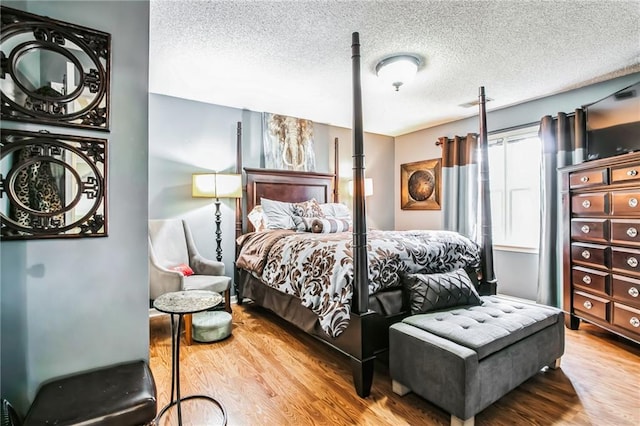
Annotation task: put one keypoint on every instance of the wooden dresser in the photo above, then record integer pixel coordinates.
(601, 266)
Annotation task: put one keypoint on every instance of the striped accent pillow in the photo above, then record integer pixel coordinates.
(325, 225)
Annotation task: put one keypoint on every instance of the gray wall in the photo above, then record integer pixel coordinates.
(379, 160)
(517, 273)
(71, 305)
(187, 137)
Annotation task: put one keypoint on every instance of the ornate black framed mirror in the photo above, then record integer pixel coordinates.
(52, 186)
(53, 72)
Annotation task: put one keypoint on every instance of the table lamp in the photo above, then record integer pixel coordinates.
(368, 187)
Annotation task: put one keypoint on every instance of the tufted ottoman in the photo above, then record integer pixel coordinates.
(211, 326)
(465, 359)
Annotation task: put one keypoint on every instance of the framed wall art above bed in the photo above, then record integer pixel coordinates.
(288, 143)
(420, 184)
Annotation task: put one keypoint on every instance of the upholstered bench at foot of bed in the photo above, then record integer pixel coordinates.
(465, 359)
(119, 395)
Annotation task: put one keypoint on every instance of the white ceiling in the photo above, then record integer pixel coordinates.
(294, 57)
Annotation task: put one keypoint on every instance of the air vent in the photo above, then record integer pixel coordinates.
(473, 103)
(625, 95)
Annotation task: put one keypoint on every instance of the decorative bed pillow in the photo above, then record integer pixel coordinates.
(337, 210)
(278, 214)
(309, 208)
(185, 270)
(431, 292)
(325, 225)
(257, 218)
(300, 224)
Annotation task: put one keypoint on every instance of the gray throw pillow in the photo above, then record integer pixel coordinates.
(431, 292)
(278, 214)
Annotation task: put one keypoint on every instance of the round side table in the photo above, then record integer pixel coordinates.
(178, 304)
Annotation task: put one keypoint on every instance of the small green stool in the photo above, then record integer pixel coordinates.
(211, 326)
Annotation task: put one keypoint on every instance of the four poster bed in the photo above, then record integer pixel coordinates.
(341, 287)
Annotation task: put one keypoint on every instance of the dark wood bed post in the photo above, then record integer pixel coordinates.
(362, 362)
(336, 170)
(239, 171)
(360, 267)
(236, 275)
(489, 283)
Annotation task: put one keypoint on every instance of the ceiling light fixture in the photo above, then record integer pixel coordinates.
(398, 70)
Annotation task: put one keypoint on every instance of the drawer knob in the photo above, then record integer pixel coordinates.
(586, 254)
(586, 279)
(633, 202)
(584, 179)
(632, 232)
(634, 321)
(633, 292)
(632, 172)
(586, 203)
(588, 304)
(585, 229)
(632, 261)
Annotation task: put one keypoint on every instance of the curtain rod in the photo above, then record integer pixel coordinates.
(517, 127)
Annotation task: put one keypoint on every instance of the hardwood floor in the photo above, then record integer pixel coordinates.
(270, 373)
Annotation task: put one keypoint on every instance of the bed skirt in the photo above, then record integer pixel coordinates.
(388, 307)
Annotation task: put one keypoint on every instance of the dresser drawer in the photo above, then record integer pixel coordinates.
(626, 289)
(590, 254)
(591, 305)
(590, 204)
(625, 231)
(625, 203)
(627, 318)
(626, 173)
(587, 178)
(590, 230)
(625, 260)
(590, 279)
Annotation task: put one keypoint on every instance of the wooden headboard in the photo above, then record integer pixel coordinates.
(287, 185)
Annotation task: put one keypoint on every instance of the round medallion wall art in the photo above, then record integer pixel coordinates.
(420, 185)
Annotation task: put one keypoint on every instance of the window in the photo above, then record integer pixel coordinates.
(514, 172)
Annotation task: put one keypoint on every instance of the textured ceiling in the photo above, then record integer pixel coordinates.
(294, 57)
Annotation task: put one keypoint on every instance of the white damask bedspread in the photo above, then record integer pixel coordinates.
(318, 268)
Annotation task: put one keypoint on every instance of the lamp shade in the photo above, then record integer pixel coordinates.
(216, 185)
(368, 187)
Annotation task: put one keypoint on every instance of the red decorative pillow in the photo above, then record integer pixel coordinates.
(185, 270)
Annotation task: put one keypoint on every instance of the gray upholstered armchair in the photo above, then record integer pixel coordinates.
(171, 245)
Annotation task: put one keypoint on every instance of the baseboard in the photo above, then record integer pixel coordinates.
(153, 312)
(517, 299)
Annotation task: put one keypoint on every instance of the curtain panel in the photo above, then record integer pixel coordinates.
(563, 141)
(460, 176)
